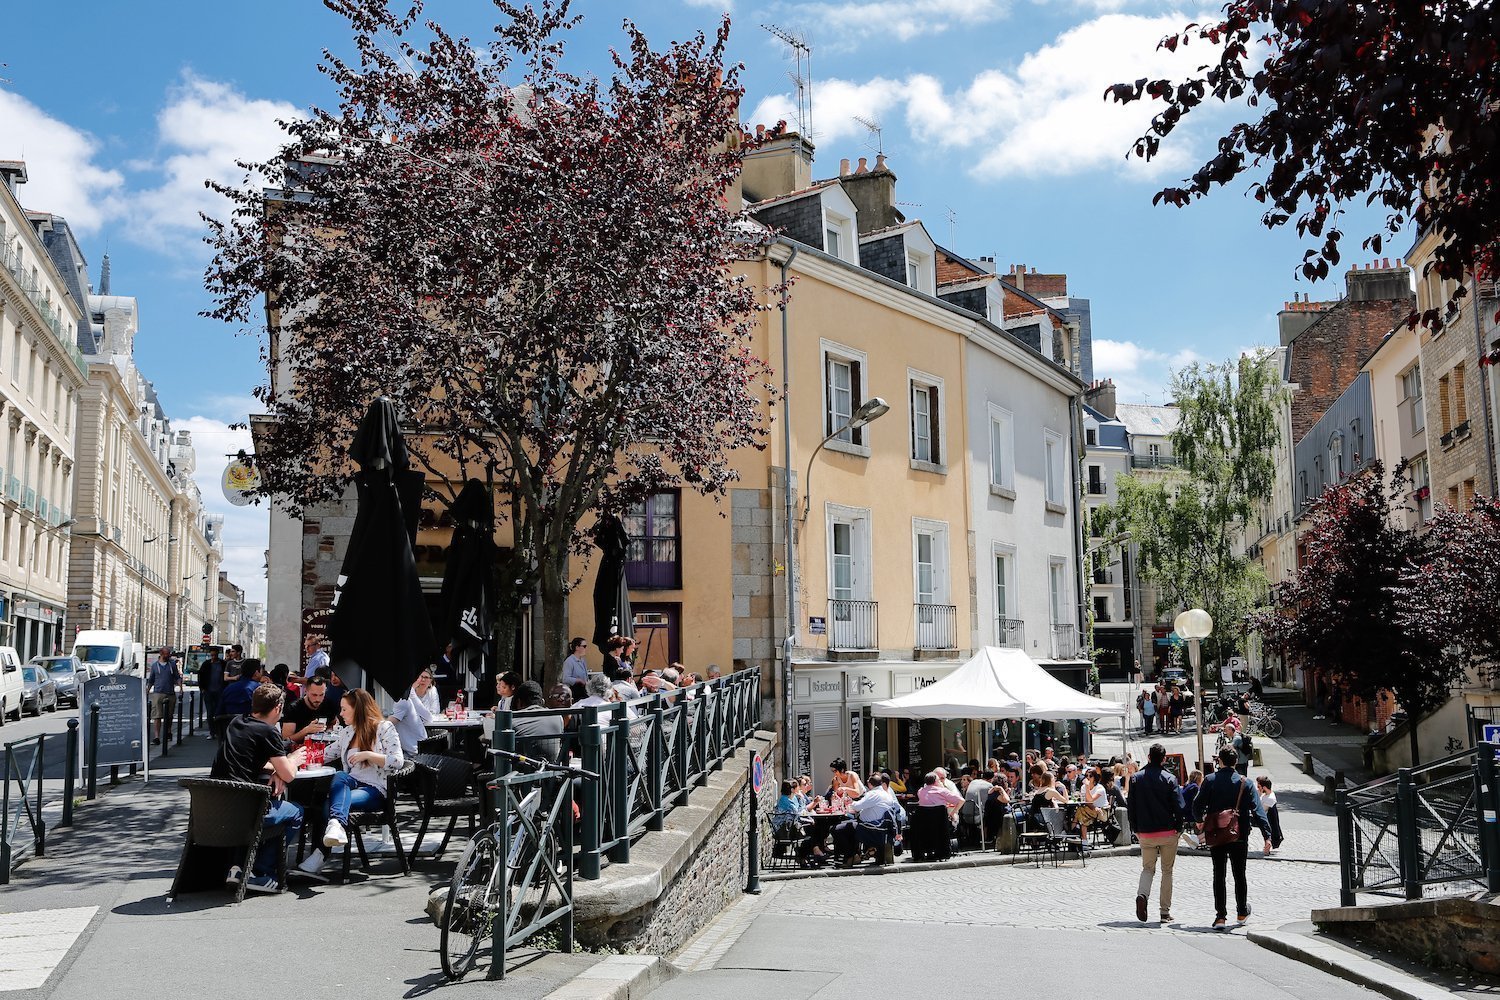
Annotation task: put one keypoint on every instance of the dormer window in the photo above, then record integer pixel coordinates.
(839, 239)
(831, 241)
(920, 273)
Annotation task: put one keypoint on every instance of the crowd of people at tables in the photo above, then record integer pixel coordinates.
(977, 798)
(269, 722)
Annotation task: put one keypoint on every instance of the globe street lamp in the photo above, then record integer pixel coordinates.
(1194, 625)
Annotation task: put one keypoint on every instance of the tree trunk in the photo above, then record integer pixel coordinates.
(554, 620)
(1411, 736)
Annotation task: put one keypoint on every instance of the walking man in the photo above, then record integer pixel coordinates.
(1224, 790)
(166, 683)
(1156, 812)
(211, 681)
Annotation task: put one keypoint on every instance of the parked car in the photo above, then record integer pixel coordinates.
(68, 674)
(12, 691)
(40, 690)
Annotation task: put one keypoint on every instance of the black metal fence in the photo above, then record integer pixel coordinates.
(650, 753)
(1422, 826)
(533, 817)
(24, 792)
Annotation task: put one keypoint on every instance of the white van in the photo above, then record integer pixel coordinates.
(11, 688)
(106, 652)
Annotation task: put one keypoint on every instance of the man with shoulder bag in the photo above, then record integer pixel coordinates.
(1227, 806)
(1155, 808)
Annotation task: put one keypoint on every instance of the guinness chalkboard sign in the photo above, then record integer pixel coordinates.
(804, 743)
(122, 718)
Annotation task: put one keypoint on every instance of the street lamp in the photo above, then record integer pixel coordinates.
(140, 607)
(36, 537)
(781, 253)
(1195, 625)
(870, 410)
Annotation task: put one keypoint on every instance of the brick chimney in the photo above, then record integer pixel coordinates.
(779, 165)
(873, 192)
(1042, 286)
(1101, 396)
(1379, 282)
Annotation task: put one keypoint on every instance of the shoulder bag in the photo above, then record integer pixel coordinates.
(1223, 827)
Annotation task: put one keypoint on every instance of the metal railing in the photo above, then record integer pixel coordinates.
(51, 315)
(530, 838)
(1422, 826)
(936, 626)
(1096, 488)
(1010, 633)
(1153, 461)
(25, 767)
(1064, 642)
(853, 625)
(650, 753)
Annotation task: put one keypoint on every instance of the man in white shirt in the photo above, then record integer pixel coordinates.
(412, 713)
(319, 658)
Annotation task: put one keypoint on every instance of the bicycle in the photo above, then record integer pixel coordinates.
(474, 898)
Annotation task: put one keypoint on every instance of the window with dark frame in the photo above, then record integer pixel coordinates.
(653, 559)
(925, 442)
(842, 378)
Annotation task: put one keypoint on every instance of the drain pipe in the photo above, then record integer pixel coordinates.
(777, 249)
(1484, 392)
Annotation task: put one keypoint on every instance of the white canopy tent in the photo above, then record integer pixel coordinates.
(1000, 683)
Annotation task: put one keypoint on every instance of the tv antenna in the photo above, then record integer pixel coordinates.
(872, 125)
(952, 218)
(802, 78)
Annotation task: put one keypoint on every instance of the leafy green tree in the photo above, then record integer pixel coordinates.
(1184, 521)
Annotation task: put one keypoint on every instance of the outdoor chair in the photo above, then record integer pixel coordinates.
(929, 834)
(881, 837)
(786, 844)
(1063, 841)
(434, 745)
(1036, 838)
(229, 815)
(385, 817)
(443, 786)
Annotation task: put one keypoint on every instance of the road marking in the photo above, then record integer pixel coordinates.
(35, 942)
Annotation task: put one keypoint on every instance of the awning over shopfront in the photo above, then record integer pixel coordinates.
(997, 683)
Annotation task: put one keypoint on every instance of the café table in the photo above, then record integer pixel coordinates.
(460, 732)
(309, 789)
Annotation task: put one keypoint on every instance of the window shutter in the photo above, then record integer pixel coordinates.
(1460, 396)
(828, 427)
(934, 419)
(856, 397)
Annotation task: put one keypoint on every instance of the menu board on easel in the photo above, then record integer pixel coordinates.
(122, 719)
(1176, 765)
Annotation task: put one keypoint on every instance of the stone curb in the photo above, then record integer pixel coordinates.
(1346, 965)
(618, 977)
(979, 860)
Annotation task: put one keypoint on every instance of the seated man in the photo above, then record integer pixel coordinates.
(309, 714)
(238, 697)
(412, 713)
(876, 808)
(536, 735)
(253, 751)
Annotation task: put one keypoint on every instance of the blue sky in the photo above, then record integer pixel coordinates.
(991, 110)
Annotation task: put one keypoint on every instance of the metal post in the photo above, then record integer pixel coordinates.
(620, 792)
(720, 743)
(177, 700)
(656, 763)
(5, 820)
(70, 772)
(40, 763)
(567, 856)
(93, 755)
(752, 883)
(1347, 847)
(1407, 842)
(789, 542)
(1489, 810)
(1307, 762)
(705, 723)
(590, 737)
(502, 898)
(682, 751)
(1196, 656)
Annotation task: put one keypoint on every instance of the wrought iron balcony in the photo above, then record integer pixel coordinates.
(1010, 632)
(1064, 642)
(853, 625)
(936, 626)
(1153, 461)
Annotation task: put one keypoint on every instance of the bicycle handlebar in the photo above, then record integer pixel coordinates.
(546, 765)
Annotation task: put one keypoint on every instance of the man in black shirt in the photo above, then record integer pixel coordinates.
(254, 751)
(313, 713)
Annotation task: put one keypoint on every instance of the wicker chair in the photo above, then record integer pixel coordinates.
(444, 786)
(434, 745)
(229, 815)
(929, 834)
(385, 816)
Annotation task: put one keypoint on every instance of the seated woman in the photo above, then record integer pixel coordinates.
(370, 749)
(1043, 793)
(1095, 802)
(790, 819)
(845, 784)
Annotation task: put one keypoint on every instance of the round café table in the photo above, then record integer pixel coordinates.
(309, 789)
(463, 734)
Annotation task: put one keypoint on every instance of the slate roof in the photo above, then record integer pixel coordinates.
(1145, 420)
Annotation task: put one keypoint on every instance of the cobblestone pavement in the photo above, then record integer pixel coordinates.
(1098, 897)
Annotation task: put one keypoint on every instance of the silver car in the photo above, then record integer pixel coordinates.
(68, 674)
(40, 690)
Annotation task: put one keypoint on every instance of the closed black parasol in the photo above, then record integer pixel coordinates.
(611, 592)
(379, 622)
(468, 581)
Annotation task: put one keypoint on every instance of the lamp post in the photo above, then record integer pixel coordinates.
(140, 607)
(1195, 625)
(782, 253)
(36, 537)
(870, 410)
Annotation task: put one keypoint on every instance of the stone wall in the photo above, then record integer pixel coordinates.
(753, 565)
(1443, 933)
(680, 879)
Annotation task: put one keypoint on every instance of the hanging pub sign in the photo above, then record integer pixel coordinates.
(240, 478)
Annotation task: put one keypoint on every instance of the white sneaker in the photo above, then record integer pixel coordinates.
(233, 877)
(335, 836)
(312, 867)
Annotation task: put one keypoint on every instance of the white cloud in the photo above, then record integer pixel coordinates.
(203, 130)
(1141, 374)
(246, 529)
(724, 5)
(1045, 116)
(63, 176)
(842, 23)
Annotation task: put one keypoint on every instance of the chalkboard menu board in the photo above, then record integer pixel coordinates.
(122, 718)
(1176, 766)
(804, 743)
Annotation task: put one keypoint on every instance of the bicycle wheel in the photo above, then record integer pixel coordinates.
(469, 914)
(1272, 726)
(533, 897)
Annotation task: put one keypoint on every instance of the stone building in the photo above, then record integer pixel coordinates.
(41, 374)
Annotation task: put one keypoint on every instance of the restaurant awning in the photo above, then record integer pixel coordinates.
(997, 683)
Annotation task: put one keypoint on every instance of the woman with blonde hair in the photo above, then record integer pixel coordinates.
(370, 748)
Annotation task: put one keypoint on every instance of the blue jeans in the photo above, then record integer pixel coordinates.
(285, 818)
(348, 793)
